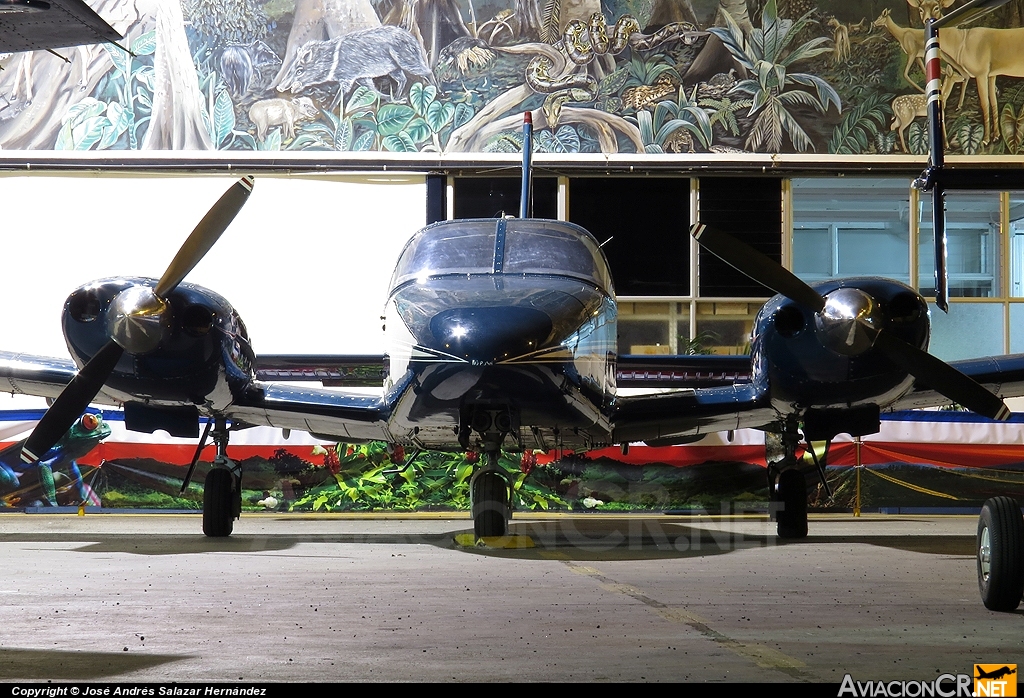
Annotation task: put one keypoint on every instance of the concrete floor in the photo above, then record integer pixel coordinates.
(110, 597)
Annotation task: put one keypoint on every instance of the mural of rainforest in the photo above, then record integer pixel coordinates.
(608, 76)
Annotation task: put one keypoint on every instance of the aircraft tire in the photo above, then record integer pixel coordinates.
(1000, 548)
(490, 505)
(218, 504)
(791, 491)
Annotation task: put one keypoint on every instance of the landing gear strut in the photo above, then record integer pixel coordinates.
(490, 489)
(222, 493)
(1001, 554)
(787, 487)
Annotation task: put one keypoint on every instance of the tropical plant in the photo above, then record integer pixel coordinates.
(93, 122)
(1011, 126)
(723, 111)
(657, 128)
(372, 477)
(773, 89)
(856, 132)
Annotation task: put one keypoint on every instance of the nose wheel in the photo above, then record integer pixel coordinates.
(491, 504)
(1000, 545)
(222, 492)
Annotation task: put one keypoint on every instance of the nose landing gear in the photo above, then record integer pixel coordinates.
(222, 493)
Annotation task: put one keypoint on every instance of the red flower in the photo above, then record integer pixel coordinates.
(528, 461)
(350, 451)
(331, 462)
(472, 456)
(398, 454)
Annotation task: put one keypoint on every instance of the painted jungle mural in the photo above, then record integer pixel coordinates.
(626, 76)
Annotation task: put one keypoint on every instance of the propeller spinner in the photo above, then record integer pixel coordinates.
(138, 321)
(850, 322)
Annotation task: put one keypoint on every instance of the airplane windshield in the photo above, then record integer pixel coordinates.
(551, 247)
(461, 247)
(528, 246)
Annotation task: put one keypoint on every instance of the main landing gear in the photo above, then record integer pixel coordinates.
(1000, 546)
(222, 492)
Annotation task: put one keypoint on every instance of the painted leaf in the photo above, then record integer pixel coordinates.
(223, 118)
(145, 44)
(418, 130)
(463, 114)
(364, 141)
(119, 119)
(87, 108)
(917, 139)
(564, 140)
(439, 114)
(421, 96)
(119, 58)
(343, 136)
(1008, 128)
(611, 84)
(392, 118)
(970, 136)
(87, 133)
(362, 97)
(273, 141)
(64, 139)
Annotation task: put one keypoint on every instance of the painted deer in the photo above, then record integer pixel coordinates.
(906, 108)
(841, 39)
(910, 40)
(982, 53)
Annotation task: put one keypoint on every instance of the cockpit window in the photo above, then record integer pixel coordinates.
(529, 246)
(462, 247)
(550, 247)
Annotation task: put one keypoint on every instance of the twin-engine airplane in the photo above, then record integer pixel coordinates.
(502, 333)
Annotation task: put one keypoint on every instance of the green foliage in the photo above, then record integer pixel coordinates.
(774, 90)
(564, 140)
(367, 479)
(668, 117)
(93, 122)
(723, 111)
(917, 138)
(857, 131)
(1011, 126)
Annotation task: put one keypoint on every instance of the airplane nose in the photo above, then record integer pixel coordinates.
(490, 334)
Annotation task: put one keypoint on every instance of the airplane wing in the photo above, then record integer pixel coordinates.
(335, 414)
(683, 415)
(52, 24)
(632, 370)
(1003, 375)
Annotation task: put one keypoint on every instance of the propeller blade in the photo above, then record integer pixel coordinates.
(209, 230)
(757, 266)
(71, 403)
(945, 379)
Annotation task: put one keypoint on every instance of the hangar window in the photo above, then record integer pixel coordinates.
(495, 197)
(851, 227)
(972, 239)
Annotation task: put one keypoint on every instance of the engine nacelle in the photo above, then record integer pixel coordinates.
(827, 360)
(192, 350)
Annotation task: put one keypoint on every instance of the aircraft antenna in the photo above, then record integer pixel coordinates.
(526, 196)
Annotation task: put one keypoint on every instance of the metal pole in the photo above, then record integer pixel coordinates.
(526, 196)
(856, 501)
